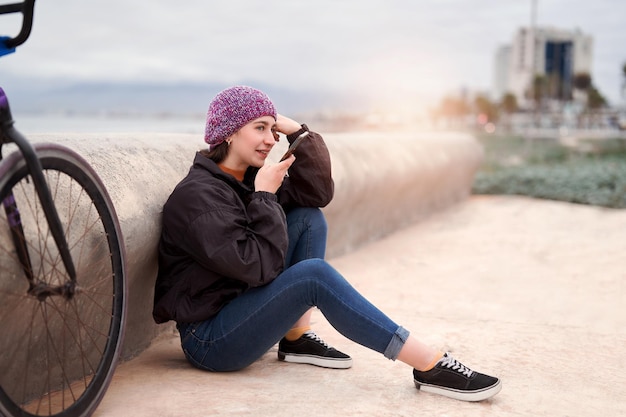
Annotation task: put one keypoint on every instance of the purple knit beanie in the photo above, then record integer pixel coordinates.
(231, 109)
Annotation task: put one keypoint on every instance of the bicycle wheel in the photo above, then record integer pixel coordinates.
(58, 352)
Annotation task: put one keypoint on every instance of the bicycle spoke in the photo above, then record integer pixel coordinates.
(62, 336)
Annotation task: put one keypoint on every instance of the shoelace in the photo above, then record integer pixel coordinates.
(451, 363)
(309, 334)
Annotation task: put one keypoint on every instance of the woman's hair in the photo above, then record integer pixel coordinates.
(216, 153)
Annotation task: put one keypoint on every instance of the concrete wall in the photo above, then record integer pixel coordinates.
(383, 182)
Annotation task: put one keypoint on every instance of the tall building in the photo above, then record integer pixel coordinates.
(554, 54)
(501, 71)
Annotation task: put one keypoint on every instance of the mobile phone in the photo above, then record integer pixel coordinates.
(294, 145)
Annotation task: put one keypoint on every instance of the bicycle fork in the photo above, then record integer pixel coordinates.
(38, 289)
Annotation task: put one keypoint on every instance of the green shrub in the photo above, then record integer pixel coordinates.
(546, 169)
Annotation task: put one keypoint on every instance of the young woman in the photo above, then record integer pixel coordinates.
(241, 258)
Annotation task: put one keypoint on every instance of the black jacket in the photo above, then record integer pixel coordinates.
(220, 237)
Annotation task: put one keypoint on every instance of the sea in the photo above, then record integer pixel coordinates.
(92, 123)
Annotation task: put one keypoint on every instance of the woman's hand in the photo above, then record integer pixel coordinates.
(286, 125)
(270, 176)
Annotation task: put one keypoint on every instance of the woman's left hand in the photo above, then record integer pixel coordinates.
(285, 125)
(270, 176)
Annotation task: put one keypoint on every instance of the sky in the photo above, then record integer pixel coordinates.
(391, 48)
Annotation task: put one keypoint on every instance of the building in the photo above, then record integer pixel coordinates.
(554, 54)
(501, 71)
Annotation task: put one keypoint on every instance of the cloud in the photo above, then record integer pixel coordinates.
(423, 46)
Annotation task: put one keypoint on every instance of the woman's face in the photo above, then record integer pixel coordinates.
(251, 144)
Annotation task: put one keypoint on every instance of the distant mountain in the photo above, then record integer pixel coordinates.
(62, 96)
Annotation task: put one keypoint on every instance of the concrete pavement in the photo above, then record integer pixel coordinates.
(531, 291)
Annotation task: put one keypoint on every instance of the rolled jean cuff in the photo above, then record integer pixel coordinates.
(398, 340)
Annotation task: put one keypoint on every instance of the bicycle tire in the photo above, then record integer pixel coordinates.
(58, 354)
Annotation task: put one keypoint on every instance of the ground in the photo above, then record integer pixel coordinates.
(532, 291)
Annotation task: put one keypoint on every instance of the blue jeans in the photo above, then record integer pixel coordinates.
(248, 326)
(307, 230)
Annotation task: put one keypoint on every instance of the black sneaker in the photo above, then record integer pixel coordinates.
(452, 379)
(310, 349)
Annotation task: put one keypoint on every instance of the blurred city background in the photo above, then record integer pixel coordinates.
(347, 64)
(541, 83)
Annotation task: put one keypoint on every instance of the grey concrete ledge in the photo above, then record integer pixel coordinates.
(383, 183)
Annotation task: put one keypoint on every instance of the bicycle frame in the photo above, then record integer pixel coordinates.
(8, 134)
(26, 7)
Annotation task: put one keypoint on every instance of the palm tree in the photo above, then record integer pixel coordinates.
(595, 100)
(538, 89)
(485, 108)
(582, 81)
(508, 105)
(537, 92)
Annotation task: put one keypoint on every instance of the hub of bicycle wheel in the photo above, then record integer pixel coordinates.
(41, 290)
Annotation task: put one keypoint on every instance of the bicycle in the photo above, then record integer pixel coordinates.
(62, 272)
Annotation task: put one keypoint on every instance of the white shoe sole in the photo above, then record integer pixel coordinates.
(478, 395)
(333, 363)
